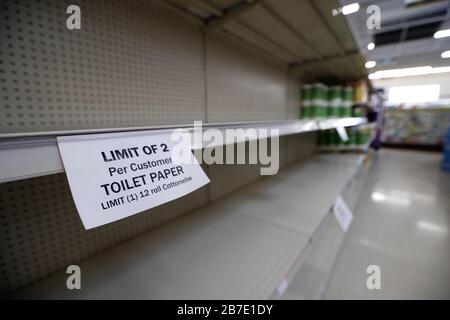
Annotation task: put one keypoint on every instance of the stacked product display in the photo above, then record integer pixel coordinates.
(358, 139)
(424, 127)
(321, 101)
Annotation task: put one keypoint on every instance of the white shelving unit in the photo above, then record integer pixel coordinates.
(30, 155)
(164, 70)
(240, 247)
(311, 279)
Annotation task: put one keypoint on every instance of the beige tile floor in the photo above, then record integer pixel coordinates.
(402, 224)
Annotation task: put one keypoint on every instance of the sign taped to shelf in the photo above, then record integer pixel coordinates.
(342, 133)
(343, 214)
(116, 175)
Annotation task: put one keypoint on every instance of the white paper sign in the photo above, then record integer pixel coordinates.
(342, 133)
(113, 176)
(343, 214)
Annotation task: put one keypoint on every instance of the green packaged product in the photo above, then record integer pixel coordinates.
(360, 138)
(359, 112)
(335, 138)
(347, 102)
(306, 101)
(314, 95)
(327, 137)
(340, 108)
(321, 138)
(324, 138)
(354, 137)
(348, 142)
(335, 101)
(329, 108)
(314, 98)
(319, 99)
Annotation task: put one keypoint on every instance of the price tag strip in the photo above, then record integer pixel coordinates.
(343, 214)
(113, 176)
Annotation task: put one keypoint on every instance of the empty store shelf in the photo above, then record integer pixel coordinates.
(29, 155)
(242, 246)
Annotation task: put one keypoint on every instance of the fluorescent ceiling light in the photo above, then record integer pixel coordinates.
(431, 227)
(414, 94)
(394, 197)
(371, 46)
(396, 73)
(370, 64)
(407, 72)
(378, 197)
(445, 54)
(350, 8)
(442, 34)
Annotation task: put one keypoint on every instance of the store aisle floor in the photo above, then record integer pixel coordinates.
(402, 225)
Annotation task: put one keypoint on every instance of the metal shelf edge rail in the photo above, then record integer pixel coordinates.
(29, 155)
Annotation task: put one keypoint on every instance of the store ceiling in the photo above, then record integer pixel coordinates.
(304, 34)
(408, 31)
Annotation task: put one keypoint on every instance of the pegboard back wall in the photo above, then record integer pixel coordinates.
(293, 97)
(41, 231)
(242, 85)
(133, 63)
